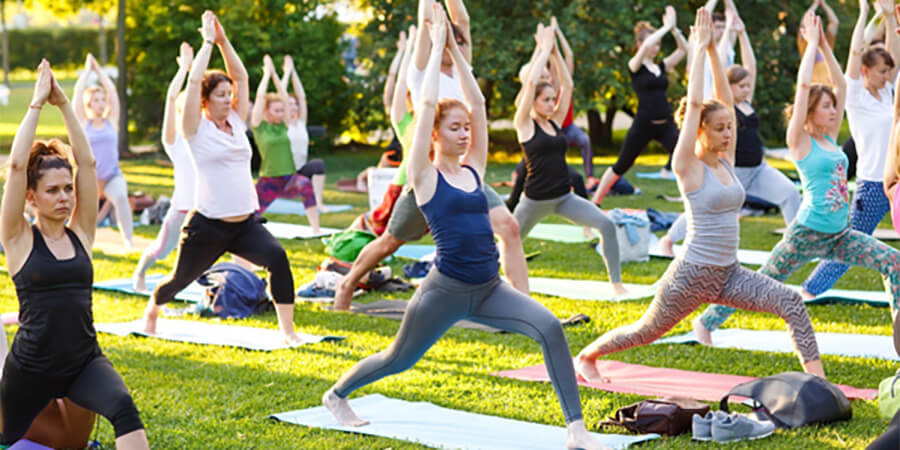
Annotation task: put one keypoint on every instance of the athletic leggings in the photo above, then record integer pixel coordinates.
(577, 137)
(97, 387)
(165, 241)
(640, 134)
(204, 240)
(868, 208)
(440, 302)
(116, 192)
(268, 189)
(312, 167)
(528, 212)
(686, 286)
(801, 245)
(575, 179)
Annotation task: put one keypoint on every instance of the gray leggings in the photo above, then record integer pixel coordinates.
(440, 302)
(528, 212)
(685, 286)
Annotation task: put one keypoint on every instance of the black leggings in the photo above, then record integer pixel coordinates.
(890, 440)
(575, 179)
(312, 167)
(97, 387)
(640, 134)
(204, 240)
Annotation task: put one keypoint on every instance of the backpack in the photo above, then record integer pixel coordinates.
(669, 416)
(346, 245)
(233, 292)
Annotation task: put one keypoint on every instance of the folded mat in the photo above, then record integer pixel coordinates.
(560, 232)
(295, 231)
(856, 345)
(285, 206)
(196, 332)
(649, 381)
(588, 289)
(884, 234)
(440, 427)
(194, 293)
(394, 309)
(419, 252)
(752, 257)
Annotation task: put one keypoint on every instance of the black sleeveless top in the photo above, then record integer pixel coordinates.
(56, 325)
(651, 90)
(749, 145)
(547, 175)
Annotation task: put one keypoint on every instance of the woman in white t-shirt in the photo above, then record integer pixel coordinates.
(314, 169)
(183, 196)
(223, 218)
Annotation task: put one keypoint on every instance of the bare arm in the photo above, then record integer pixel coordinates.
(112, 94)
(236, 71)
(634, 64)
(524, 125)
(891, 177)
(259, 105)
(184, 65)
(833, 21)
(891, 39)
(477, 154)
(684, 162)
(193, 108)
(711, 5)
(748, 60)
(683, 50)
(391, 80)
(398, 102)
(297, 85)
(566, 87)
(723, 94)
(568, 56)
(857, 44)
(423, 42)
(874, 26)
(80, 87)
(84, 213)
(460, 17)
(837, 80)
(797, 138)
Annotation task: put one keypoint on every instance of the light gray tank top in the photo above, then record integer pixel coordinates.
(712, 218)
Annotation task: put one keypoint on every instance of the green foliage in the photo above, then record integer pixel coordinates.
(63, 8)
(277, 27)
(63, 47)
(600, 33)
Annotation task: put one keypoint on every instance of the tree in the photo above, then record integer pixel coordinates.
(5, 43)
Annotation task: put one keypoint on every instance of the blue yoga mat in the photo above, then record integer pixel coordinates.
(194, 293)
(440, 427)
(417, 252)
(284, 206)
(874, 298)
(855, 345)
(654, 176)
(197, 332)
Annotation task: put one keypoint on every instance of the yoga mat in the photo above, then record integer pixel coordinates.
(649, 381)
(109, 240)
(874, 298)
(884, 234)
(419, 252)
(752, 257)
(194, 293)
(654, 176)
(558, 232)
(284, 206)
(194, 332)
(588, 289)
(394, 310)
(855, 345)
(440, 427)
(294, 231)
(25, 444)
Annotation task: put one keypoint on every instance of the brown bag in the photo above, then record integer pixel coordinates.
(669, 416)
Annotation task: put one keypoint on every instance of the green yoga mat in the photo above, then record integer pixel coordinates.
(560, 232)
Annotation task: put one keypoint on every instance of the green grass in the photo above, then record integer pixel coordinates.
(193, 396)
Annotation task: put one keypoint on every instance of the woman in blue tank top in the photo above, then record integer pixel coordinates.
(822, 228)
(55, 352)
(464, 282)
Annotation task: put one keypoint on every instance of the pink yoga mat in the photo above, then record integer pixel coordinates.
(654, 381)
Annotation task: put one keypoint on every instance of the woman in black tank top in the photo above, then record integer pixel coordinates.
(55, 352)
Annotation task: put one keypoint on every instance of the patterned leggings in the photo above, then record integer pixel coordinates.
(268, 189)
(686, 286)
(801, 245)
(868, 208)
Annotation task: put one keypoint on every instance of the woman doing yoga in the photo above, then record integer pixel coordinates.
(709, 270)
(55, 353)
(314, 169)
(464, 282)
(821, 229)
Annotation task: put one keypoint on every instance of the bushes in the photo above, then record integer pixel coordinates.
(63, 47)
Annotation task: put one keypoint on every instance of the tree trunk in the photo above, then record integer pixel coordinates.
(122, 82)
(600, 129)
(5, 43)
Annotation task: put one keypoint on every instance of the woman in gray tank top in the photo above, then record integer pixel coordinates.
(709, 271)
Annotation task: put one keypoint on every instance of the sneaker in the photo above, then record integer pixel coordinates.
(738, 427)
(701, 426)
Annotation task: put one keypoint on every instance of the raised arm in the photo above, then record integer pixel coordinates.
(259, 105)
(112, 94)
(748, 61)
(388, 96)
(874, 27)
(420, 172)
(478, 148)
(423, 44)
(723, 94)
(634, 64)
(671, 22)
(398, 102)
(891, 175)
(711, 5)
(797, 138)
(568, 56)
(236, 71)
(891, 39)
(833, 22)
(80, 87)
(683, 46)
(460, 17)
(857, 42)
(684, 161)
(837, 81)
(184, 61)
(193, 107)
(12, 220)
(566, 86)
(523, 123)
(297, 85)
(733, 28)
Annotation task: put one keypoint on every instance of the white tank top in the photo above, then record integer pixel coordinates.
(185, 179)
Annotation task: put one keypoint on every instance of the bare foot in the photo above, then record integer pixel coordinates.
(139, 282)
(150, 316)
(666, 246)
(342, 296)
(340, 409)
(292, 339)
(666, 174)
(807, 296)
(701, 333)
(587, 233)
(619, 289)
(587, 368)
(579, 438)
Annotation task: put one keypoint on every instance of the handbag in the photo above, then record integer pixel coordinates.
(889, 396)
(669, 416)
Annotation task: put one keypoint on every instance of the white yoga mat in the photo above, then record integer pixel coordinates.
(295, 231)
(588, 289)
(285, 206)
(752, 257)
